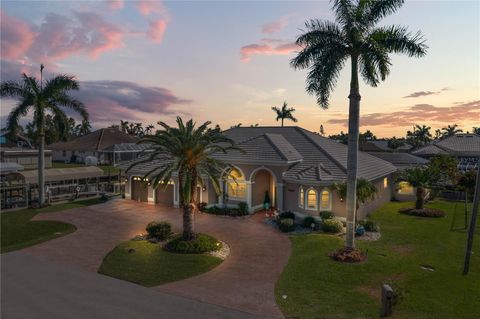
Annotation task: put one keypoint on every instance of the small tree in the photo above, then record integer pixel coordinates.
(365, 191)
(420, 178)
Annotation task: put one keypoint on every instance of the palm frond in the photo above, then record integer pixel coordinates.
(397, 39)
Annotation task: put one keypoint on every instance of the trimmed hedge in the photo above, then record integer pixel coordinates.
(332, 226)
(200, 244)
(286, 225)
(425, 212)
(369, 225)
(159, 230)
(326, 214)
(241, 210)
(308, 221)
(287, 214)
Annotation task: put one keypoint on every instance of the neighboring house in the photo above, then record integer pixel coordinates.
(18, 141)
(464, 147)
(296, 167)
(26, 157)
(382, 146)
(97, 144)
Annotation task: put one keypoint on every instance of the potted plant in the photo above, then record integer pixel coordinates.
(266, 201)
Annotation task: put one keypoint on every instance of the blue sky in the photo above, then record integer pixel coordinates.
(193, 66)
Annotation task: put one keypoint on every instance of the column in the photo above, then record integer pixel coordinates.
(128, 187)
(176, 193)
(151, 195)
(220, 196)
(249, 196)
(280, 196)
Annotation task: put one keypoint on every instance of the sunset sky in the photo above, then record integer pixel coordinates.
(228, 62)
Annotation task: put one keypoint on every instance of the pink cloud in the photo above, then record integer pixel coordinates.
(115, 4)
(420, 113)
(16, 37)
(147, 7)
(157, 30)
(267, 47)
(275, 26)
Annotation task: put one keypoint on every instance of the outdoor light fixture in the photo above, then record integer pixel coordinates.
(204, 188)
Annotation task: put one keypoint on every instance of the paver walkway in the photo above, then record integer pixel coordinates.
(244, 281)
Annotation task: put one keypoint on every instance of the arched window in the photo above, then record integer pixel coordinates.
(236, 185)
(312, 199)
(325, 200)
(301, 198)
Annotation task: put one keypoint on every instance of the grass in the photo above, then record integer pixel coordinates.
(149, 265)
(106, 168)
(318, 287)
(19, 231)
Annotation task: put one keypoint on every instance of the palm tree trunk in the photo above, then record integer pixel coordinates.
(188, 222)
(420, 197)
(352, 161)
(41, 166)
(282, 121)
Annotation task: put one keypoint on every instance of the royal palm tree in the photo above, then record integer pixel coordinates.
(420, 178)
(187, 151)
(284, 113)
(51, 96)
(450, 130)
(365, 191)
(326, 46)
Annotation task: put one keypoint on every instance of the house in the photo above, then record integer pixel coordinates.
(26, 157)
(464, 147)
(382, 146)
(99, 144)
(296, 167)
(401, 161)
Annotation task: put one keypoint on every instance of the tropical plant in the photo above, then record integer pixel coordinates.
(445, 167)
(395, 143)
(284, 113)
(476, 130)
(419, 136)
(450, 130)
(50, 96)
(186, 150)
(326, 46)
(342, 137)
(365, 191)
(420, 178)
(83, 128)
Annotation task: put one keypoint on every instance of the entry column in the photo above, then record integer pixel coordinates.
(151, 195)
(280, 196)
(249, 196)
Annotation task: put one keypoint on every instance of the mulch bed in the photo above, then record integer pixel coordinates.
(425, 212)
(348, 255)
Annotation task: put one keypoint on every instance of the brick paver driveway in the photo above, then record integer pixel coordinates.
(244, 281)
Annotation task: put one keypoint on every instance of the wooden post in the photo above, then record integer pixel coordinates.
(387, 301)
(473, 224)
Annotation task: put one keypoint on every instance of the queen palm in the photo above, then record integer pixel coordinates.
(51, 96)
(355, 36)
(450, 130)
(284, 113)
(187, 151)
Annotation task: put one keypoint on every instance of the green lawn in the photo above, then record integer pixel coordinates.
(150, 265)
(106, 168)
(317, 287)
(18, 231)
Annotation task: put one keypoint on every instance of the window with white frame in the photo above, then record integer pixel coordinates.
(311, 199)
(325, 200)
(236, 184)
(301, 198)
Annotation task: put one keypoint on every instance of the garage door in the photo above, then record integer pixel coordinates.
(164, 197)
(140, 191)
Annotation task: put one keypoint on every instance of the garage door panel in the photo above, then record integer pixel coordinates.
(164, 197)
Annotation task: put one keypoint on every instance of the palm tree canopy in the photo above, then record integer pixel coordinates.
(420, 176)
(285, 112)
(365, 190)
(186, 150)
(52, 96)
(327, 45)
(451, 130)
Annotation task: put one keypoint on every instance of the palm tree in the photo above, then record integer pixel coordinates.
(420, 135)
(450, 130)
(420, 178)
(365, 191)
(124, 126)
(187, 151)
(476, 130)
(83, 128)
(326, 46)
(394, 143)
(51, 97)
(284, 113)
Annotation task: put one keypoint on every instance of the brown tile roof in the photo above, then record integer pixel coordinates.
(95, 141)
(457, 145)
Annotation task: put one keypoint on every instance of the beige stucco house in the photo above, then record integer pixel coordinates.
(295, 166)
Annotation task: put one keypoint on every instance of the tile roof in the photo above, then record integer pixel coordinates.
(94, 141)
(382, 146)
(400, 160)
(457, 145)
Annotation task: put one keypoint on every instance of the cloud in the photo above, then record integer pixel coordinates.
(115, 4)
(148, 7)
(275, 26)
(267, 47)
(109, 101)
(157, 30)
(16, 37)
(420, 93)
(420, 113)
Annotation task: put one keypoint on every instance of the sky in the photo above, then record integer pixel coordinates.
(228, 62)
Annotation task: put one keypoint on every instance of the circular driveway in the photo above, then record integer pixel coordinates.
(244, 281)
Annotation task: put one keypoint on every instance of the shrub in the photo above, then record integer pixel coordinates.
(369, 225)
(326, 214)
(159, 230)
(286, 225)
(288, 214)
(332, 226)
(202, 206)
(242, 208)
(348, 255)
(200, 244)
(424, 212)
(308, 221)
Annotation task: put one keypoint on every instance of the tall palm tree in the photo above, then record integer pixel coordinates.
(187, 151)
(420, 135)
(450, 130)
(284, 113)
(50, 96)
(326, 46)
